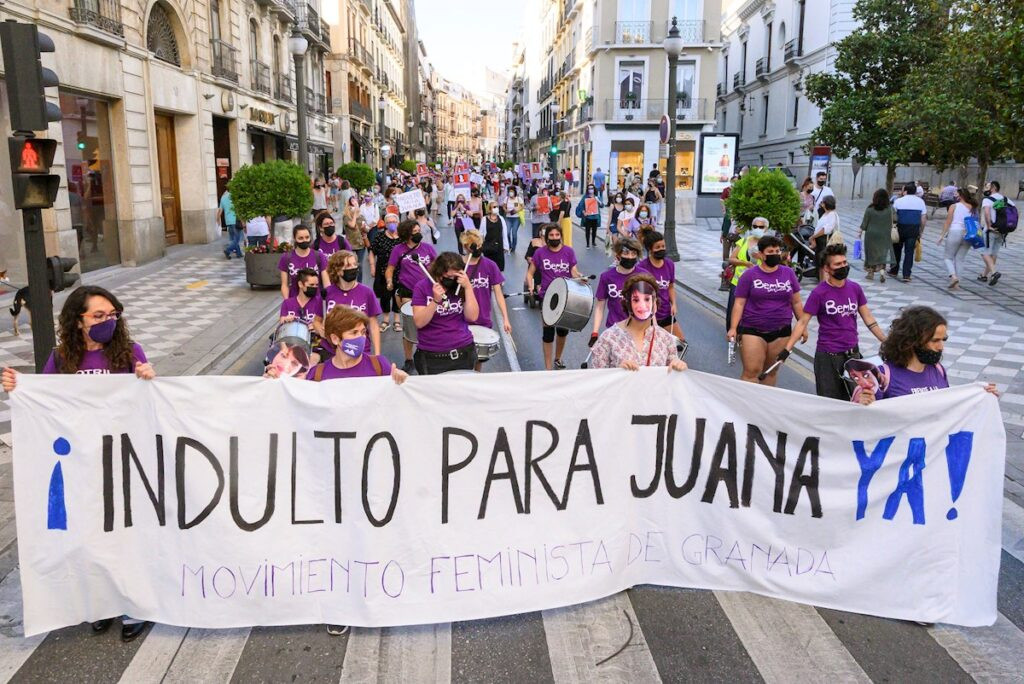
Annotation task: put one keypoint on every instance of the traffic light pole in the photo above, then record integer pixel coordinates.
(39, 297)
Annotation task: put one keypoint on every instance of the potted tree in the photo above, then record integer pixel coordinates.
(360, 176)
(275, 188)
(770, 194)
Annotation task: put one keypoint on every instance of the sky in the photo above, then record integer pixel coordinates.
(464, 36)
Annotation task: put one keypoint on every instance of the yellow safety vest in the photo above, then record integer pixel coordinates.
(742, 256)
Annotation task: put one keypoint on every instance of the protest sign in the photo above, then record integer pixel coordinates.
(476, 178)
(410, 201)
(233, 501)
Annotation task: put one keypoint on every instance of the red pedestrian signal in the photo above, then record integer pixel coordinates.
(34, 186)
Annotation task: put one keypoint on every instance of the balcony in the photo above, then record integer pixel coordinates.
(315, 102)
(367, 5)
(634, 32)
(224, 60)
(312, 22)
(641, 111)
(761, 69)
(584, 113)
(361, 56)
(739, 80)
(720, 90)
(283, 88)
(260, 75)
(544, 132)
(690, 30)
(791, 51)
(285, 9)
(102, 14)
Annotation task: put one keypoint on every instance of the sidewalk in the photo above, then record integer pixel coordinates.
(188, 310)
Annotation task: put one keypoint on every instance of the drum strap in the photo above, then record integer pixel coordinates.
(650, 347)
(318, 372)
(378, 369)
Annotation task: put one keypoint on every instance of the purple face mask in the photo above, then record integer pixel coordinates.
(103, 332)
(355, 347)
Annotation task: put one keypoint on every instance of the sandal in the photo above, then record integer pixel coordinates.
(398, 327)
(384, 327)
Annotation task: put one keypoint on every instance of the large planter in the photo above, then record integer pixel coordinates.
(261, 269)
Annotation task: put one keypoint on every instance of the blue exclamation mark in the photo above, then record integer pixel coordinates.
(958, 457)
(56, 510)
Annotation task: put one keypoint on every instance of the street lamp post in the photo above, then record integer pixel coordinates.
(673, 46)
(381, 103)
(297, 45)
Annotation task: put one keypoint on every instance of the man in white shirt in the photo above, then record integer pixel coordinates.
(993, 238)
(911, 216)
(821, 191)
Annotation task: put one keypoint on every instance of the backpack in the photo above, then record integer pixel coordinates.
(1005, 216)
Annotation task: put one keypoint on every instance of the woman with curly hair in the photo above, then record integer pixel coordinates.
(912, 354)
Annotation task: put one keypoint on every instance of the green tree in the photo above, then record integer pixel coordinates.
(894, 39)
(408, 165)
(967, 103)
(360, 176)
(767, 193)
(274, 188)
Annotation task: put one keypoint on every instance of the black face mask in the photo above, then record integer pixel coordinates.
(350, 274)
(772, 260)
(328, 230)
(841, 273)
(449, 285)
(417, 238)
(303, 245)
(311, 291)
(553, 243)
(927, 356)
(627, 262)
(475, 251)
(659, 253)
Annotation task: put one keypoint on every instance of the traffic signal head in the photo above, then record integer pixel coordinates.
(58, 272)
(34, 186)
(26, 76)
(554, 148)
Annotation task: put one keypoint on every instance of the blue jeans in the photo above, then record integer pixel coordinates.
(512, 222)
(359, 261)
(255, 240)
(905, 248)
(234, 240)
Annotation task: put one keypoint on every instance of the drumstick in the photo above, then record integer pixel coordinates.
(771, 369)
(465, 265)
(425, 271)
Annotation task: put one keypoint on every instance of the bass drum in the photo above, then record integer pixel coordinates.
(290, 350)
(486, 341)
(294, 334)
(409, 331)
(567, 304)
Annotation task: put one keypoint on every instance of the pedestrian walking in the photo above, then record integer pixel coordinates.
(302, 256)
(494, 232)
(512, 205)
(380, 252)
(664, 272)
(588, 211)
(610, 286)
(954, 232)
(226, 214)
(443, 307)
(821, 191)
(994, 239)
(346, 290)
(257, 230)
(948, 196)
(911, 217)
(562, 215)
(653, 197)
(319, 194)
(876, 232)
(826, 231)
(553, 260)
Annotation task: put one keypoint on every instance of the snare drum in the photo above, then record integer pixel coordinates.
(293, 333)
(409, 331)
(486, 341)
(567, 304)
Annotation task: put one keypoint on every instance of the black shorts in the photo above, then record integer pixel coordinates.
(766, 336)
(433, 363)
(403, 292)
(549, 332)
(665, 322)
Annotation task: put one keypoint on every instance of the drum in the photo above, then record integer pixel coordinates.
(294, 333)
(486, 341)
(567, 304)
(408, 325)
(290, 350)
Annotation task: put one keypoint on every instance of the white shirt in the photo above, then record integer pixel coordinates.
(986, 207)
(828, 222)
(911, 203)
(257, 227)
(821, 193)
(960, 212)
(449, 192)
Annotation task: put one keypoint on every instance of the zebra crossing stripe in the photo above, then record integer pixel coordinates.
(14, 648)
(598, 641)
(987, 654)
(421, 653)
(788, 642)
(207, 655)
(155, 655)
(1013, 529)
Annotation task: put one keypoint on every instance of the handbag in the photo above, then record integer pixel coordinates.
(917, 252)
(973, 236)
(858, 246)
(836, 236)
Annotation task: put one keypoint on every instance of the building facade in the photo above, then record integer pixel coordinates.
(458, 122)
(162, 101)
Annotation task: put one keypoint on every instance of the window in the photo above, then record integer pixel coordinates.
(254, 40)
(214, 19)
(768, 47)
(743, 61)
(631, 81)
(796, 110)
(276, 57)
(764, 115)
(686, 10)
(686, 74)
(800, 29)
(160, 38)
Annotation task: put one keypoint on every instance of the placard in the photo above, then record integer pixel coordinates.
(717, 161)
(410, 201)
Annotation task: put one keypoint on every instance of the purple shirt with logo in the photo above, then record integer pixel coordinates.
(769, 296)
(291, 263)
(329, 248)
(665, 276)
(484, 275)
(409, 274)
(903, 381)
(360, 298)
(609, 289)
(448, 329)
(304, 314)
(836, 309)
(363, 369)
(553, 265)
(95, 362)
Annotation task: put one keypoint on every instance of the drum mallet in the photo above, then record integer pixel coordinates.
(465, 265)
(586, 362)
(426, 272)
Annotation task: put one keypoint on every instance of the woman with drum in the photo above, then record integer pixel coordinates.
(307, 308)
(303, 256)
(380, 252)
(486, 278)
(410, 259)
(767, 297)
(443, 306)
(611, 283)
(664, 272)
(346, 290)
(553, 260)
(637, 341)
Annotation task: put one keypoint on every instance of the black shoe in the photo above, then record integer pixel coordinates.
(337, 630)
(409, 367)
(894, 272)
(558, 365)
(227, 255)
(132, 630)
(101, 626)
(994, 278)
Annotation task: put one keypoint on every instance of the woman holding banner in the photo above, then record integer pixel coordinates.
(93, 339)
(637, 341)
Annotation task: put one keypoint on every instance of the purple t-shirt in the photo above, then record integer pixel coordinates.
(95, 363)
(609, 289)
(484, 275)
(665, 276)
(903, 381)
(305, 314)
(769, 296)
(291, 262)
(329, 248)
(363, 369)
(360, 298)
(836, 309)
(553, 265)
(409, 274)
(448, 329)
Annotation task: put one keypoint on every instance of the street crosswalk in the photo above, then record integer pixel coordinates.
(646, 634)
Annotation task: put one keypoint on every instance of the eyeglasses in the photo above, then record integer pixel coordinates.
(101, 316)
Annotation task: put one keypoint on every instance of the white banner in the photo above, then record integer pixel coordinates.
(227, 501)
(410, 201)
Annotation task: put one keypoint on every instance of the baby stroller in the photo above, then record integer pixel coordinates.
(802, 255)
